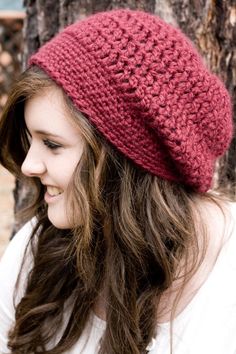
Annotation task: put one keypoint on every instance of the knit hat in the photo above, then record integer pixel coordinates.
(143, 85)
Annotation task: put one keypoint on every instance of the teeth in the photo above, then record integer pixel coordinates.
(53, 191)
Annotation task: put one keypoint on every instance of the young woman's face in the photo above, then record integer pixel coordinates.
(56, 147)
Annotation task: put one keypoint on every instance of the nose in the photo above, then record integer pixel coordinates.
(32, 165)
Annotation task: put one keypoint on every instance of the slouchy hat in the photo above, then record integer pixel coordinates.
(143, 85)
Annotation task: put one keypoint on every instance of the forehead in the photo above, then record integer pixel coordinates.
(47, 111)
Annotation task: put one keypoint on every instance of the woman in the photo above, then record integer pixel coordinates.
(117, 126)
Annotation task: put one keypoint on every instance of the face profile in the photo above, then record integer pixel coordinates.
(55, 149)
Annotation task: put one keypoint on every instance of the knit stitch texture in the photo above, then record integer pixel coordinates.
(143, 85)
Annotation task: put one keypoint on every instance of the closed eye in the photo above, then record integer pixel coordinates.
(51, 145)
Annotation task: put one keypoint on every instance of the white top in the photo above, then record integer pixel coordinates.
(206, 326)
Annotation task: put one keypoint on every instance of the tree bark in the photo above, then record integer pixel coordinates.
(10, 58)
(211, 24)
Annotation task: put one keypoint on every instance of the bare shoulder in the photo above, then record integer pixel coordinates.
(215, 229)
(219, 219)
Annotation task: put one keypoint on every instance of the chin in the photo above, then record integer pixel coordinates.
(59, 223)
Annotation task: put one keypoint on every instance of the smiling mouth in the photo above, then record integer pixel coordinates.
(54, 191)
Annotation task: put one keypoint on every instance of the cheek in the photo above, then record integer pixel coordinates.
(63, 171)
(63, 164)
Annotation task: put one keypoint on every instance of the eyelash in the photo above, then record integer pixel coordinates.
(50, 144)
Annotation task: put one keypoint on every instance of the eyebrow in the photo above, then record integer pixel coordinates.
(45, 132)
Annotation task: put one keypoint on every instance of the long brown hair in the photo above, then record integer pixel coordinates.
(135, 231)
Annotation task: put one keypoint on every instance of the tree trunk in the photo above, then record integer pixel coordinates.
(210, 24)
(10, 59)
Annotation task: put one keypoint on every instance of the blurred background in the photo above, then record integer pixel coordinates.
(11, 47)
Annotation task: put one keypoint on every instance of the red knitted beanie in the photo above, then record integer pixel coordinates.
(143, 85)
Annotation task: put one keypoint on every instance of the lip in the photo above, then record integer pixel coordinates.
(50, 198)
